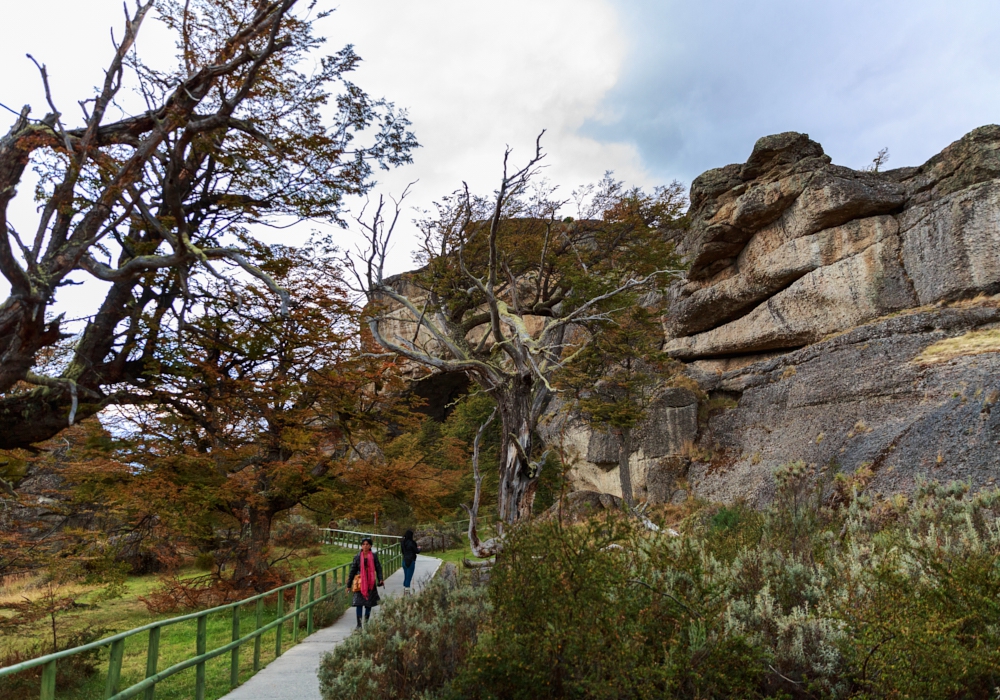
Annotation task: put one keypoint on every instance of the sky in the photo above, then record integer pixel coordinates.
(654, 90)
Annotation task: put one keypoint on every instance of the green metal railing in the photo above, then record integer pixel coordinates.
(332, 583)
(352, 540)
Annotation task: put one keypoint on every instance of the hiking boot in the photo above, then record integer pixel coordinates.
(359, 623)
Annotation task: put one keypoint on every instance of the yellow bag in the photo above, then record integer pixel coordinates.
(356, 586)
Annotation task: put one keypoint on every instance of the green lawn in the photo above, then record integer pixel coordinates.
(177, 642)
(454, 555)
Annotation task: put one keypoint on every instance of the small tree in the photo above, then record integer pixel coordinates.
(508, 285)
(617, 375)
(27, 612)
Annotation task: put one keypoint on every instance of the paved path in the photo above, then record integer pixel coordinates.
(293, 675)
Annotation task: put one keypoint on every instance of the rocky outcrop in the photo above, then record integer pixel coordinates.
(789, 248)
(813, 294)
(810, 323)
(863, 398)
(670, 428)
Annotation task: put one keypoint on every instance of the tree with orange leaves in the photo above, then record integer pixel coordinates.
(253, 409)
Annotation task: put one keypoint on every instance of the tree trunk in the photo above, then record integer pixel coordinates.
(251, 554)
(624, 473)
(517, 480)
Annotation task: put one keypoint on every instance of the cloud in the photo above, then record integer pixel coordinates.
(705, 80)
(477, 77)
(653, 89)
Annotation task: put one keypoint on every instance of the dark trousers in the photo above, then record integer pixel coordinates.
(368, 612)
(408, 570)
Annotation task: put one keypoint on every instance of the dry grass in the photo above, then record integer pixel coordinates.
(972, 343)
(15, 589)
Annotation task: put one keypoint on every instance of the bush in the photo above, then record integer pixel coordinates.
(70, 672)
(869, 598)
(204, 561)
(414, 646)
(830, 593)
(587, 612)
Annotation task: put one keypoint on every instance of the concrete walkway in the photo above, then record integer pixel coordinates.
(293, 675)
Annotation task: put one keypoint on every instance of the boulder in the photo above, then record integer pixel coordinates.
(670, 426)
(431, 540)
(789, 248)
(828, 299)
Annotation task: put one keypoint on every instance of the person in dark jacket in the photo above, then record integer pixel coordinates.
(410, 552)
(368, 569)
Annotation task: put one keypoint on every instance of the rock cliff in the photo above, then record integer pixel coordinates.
(830, 315)
(840, 317)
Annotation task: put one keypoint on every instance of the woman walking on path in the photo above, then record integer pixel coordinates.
(410, 552)
(368, 570)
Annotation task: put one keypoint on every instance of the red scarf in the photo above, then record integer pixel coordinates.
(367, 573)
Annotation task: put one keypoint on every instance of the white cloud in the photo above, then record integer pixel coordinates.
(474, 77)
(479, 76)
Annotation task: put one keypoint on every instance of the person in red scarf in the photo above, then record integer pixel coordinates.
(368, 569)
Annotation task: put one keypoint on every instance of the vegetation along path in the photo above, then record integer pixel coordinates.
(293, 676)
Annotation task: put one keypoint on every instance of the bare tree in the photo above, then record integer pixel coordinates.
(508, 290)
(235, 135)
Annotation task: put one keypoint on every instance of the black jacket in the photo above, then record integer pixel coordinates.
(410, 551)
(372, 600)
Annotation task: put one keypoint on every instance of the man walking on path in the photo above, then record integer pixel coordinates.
(410, 551)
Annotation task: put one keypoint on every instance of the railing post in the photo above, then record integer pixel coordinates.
(114, 667)
(49, 681)
(152, 659)
(295, 619)
(281, 626)
(322, 586)
(256, 641)
(199, 670)
(234, 661)
(309, 612)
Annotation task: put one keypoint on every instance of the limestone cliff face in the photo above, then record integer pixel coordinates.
(815, 297)
(789, 248)
(813, 292)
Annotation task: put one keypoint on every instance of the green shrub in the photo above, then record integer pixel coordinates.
(414, 646)
(921, 597)
(583, 612)
(725, 519)
(871, 598)
(204, 561)
(851, 596)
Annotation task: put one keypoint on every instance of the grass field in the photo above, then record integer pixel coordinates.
(177, 642)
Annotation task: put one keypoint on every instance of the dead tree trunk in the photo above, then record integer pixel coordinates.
(490, 547)
(624, 473)
(518, 478)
